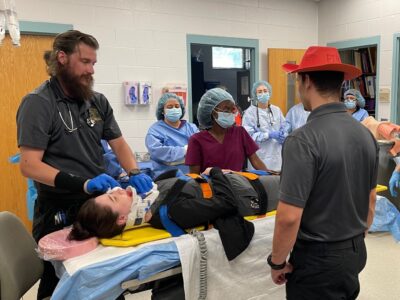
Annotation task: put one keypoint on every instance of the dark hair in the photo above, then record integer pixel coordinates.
(326, 82)
(67, 42)
(95, 220)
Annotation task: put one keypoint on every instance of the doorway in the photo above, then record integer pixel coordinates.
(229, 63)
(25, 70)
(363, 53)
(394, 106)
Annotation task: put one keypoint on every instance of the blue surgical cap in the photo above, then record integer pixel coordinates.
(207, 104)
(256, 85)
(161, 103)
(360, 99)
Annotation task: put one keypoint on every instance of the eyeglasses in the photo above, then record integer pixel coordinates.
(234, 110)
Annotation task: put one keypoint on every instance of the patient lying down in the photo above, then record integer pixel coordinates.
(109, 214)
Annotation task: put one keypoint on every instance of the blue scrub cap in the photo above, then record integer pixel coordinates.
(164, 98)
(356, 93)
(256, 85)
(207, 104)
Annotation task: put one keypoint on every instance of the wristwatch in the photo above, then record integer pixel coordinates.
(134, 172)
(274, 266)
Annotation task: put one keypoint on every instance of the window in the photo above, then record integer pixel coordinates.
(227, 58)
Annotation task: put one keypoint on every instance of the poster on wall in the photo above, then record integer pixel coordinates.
(145, 93)
(178, 89)
(131, 92)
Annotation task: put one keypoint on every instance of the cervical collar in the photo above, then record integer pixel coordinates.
(140, 205)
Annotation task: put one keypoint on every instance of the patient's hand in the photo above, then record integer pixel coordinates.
(147, 216)
(208, 170)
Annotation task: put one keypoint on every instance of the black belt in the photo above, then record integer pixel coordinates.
(326, 246)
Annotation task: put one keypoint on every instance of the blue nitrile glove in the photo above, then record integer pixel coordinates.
(282, 136)
(101, 183)
(141, 182)
(274, 135)
(394, 183)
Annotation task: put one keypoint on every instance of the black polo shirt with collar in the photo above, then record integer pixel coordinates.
(68, 130)
(329, 168)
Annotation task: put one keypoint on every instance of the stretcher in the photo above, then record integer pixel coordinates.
(106, 272)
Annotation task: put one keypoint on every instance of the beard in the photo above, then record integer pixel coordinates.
(74, 85)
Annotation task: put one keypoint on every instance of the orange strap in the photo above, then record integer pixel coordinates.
(205, 186)
(250, 176)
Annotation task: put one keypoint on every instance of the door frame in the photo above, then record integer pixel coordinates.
(359, 43)
(220, 41)
(394, 113)
(42, 28)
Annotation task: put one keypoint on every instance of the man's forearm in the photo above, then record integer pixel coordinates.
(285, 233)
(124, 154)
(371, 209)
(32, 166)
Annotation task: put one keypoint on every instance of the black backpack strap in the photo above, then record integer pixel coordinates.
(262, 195)
(171, 196)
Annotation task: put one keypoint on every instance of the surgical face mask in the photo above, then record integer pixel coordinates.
(140, 206)
(350, 104)
(264, 97)
(173, 114)
(225, 119)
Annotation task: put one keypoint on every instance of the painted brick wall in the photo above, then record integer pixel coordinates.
(342, 20)
(146, 39)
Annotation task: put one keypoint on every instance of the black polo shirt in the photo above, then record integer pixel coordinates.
(68, 130)
(329, 168)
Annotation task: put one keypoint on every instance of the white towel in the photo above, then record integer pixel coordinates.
(245, 277)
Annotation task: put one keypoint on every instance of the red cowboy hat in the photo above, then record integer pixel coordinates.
(319, 58)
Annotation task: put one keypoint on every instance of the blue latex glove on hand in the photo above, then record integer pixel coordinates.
(141, 182)
(282, 137)
(394, 183)
(274, 135)
(101, 183)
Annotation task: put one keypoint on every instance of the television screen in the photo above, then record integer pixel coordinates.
(227, 58)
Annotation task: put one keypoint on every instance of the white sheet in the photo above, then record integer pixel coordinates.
(101, 254)
(246, 277)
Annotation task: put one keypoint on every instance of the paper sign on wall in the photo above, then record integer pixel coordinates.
(179, 90)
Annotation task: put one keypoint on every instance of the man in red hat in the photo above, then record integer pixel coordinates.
(325, 210)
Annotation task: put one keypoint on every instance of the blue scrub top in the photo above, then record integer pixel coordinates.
(296, 117)
(166, 145)
(360, 114)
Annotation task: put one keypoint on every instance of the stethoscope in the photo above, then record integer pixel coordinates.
(70, 128)
(270, 114)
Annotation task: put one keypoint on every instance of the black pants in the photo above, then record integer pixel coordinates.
(326, 270)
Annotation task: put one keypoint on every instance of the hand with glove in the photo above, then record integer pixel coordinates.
(100, 183)
(394, 183)
(274, 135)
(141, 182)
(282, 135)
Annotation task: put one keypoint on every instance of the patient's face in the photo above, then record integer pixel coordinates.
(119, 200)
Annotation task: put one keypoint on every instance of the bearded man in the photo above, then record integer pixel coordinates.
(59, 129)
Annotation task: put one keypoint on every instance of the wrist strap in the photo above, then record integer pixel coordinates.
(69, 182)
